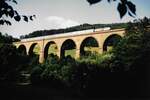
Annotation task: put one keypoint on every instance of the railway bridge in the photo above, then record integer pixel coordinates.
(73, 43)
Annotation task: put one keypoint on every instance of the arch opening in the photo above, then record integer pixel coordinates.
(111, 42)
(68, 48)
(50, 48)
(89, 46)
(22, 50)
(34, 50)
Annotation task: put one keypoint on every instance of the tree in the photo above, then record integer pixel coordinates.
(131, 57)
(7, 38)
(11, 62)
(133, 50)
(124, 6)
(7, 11)
(81, 27)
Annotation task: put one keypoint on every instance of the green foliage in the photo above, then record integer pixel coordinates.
(11, 62)
(7, 38)
(53, 70)
(35, 74)
(70, 72)
(88, 68)
(70, 52)
(96, 58)
(133, 46)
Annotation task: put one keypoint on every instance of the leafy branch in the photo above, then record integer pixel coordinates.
(7, 11)
(124, 6)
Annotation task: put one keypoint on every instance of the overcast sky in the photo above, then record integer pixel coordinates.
(54, 14)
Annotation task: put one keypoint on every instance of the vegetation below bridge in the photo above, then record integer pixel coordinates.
(123, 71)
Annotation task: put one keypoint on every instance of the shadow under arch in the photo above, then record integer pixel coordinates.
(89, 46)
(34, 50)
(68, 48)
(111, 41)
(50, 48)
(22, 49)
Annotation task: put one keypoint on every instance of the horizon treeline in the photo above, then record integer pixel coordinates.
(81, 27)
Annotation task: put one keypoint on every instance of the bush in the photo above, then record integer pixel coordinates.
(131, 57)
(78, 75)
(132, 47)
(36, 74)
(11, 62)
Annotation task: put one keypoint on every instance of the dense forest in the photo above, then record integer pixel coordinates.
(71, 29)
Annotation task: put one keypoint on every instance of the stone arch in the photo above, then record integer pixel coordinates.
(34, 50)
(68, 48)
(22, 49)
(89, 46)
(111, 41)
(50, 48)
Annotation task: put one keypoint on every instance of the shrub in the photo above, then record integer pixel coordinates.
(36, 74)
(11, 62)
(70, 72)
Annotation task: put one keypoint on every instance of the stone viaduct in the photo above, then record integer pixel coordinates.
(64, 40)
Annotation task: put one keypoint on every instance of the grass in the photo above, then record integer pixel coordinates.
(36, 50)
(53, 49)
(71, 52)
